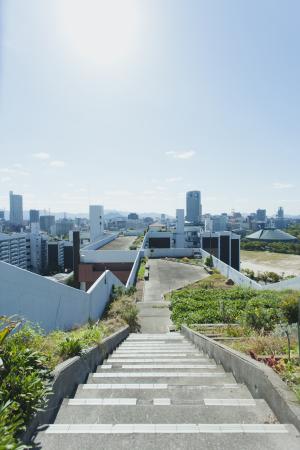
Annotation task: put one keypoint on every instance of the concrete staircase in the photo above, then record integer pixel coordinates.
(158, 391)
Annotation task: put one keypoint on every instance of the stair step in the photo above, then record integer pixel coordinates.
(181, 378)
(193, 437)
(157, 400)
(144, 360)
(177, 394)
(156, 366)
(258, 413)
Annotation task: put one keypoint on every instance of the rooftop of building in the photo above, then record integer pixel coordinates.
(271, 235)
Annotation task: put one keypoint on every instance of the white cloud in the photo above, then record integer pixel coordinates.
(181, 155)
(5, 179)
(119, 193)
(278, 185)
(41, 155)
(173, 179)
(57, 163)
(10, 171)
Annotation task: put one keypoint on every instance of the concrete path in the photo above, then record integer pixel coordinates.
(158, 391)
(164, 276)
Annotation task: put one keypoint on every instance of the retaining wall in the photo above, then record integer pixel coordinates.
(69, 374)
(50, 304)
(260, 379)
(228, 272)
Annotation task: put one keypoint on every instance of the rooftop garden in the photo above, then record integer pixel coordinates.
(262, 324)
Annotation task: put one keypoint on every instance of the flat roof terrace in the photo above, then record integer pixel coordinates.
(120, 243)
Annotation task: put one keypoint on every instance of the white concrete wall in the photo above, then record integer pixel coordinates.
(52, 305)
(106, 239)
(96, 217)
(90, 256)
(168, 252)
(132, 277)
(292, 283)
(238, 277)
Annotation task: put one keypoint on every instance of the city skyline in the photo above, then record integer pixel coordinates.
(204, 98)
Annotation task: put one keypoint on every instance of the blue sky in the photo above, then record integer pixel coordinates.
(131, 103)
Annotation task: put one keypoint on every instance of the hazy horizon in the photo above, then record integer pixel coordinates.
(132, 103)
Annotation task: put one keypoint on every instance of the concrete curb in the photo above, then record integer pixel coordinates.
(69, 374)
(260, 379)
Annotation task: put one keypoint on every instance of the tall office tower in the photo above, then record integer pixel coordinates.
(280, 213)
(96, 222)
(193, 207)
(16, 209)
(2, 214)
(47, 223)
(34, 216)
(261, 215)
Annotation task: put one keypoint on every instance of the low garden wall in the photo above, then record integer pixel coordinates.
(69, 374)
(260, 379)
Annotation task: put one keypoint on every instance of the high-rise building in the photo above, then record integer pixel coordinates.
(280, 213)
(47, 223)
(133, 216)
(64, 226)
(55, 256)
(15, 209)
(96, 222)
(261, 215)
(193, 207)
(2, 214)
(34, 216)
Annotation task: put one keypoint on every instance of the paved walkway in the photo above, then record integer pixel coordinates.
(158, 392)
(165, 276)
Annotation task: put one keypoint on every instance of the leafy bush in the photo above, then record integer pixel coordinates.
(196, 306)
(24, 381)
(10, 425)
(70, 347)
(290, 307)
(124, 308)
(262, 315)
(209, 262)
(260, 310)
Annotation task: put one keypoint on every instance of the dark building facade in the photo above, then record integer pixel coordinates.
(34, 216)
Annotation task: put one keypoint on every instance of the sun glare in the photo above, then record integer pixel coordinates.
(102, 31)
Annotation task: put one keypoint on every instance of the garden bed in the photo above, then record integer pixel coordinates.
(257, 323)
(28, 357)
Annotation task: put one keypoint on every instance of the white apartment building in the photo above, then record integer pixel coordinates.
(13, 249)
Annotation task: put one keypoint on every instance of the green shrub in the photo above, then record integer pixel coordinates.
(70, 347)
(290, 307)
(10, 425)
(209, 262)
(130, 316)
(24, 380)
(262, 313)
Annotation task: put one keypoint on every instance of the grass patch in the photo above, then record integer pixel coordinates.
(142, 268)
